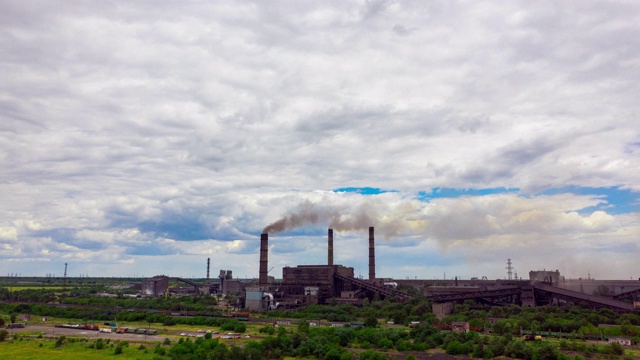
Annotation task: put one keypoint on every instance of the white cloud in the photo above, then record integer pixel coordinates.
(165, 128)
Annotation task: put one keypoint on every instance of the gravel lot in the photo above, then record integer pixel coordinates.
(54, 331)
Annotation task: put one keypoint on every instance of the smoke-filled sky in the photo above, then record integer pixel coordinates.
(141, 138)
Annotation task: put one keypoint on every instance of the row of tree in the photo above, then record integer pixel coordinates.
(347, 343)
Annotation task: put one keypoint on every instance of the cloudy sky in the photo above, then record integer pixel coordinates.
(141, 138)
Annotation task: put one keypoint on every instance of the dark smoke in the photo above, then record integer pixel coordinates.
(306, 213)
(388, 222)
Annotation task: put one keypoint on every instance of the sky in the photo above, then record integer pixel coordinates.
(142, 138)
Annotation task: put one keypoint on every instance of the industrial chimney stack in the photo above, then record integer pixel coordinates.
(208, 267)
(330, 248)
(264, 259)
(372, 256)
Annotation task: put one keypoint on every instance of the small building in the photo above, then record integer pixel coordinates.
(460, 327)
(24, 317)
(442, 310)
(620, 340)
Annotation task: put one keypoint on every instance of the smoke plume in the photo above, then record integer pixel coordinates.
(388, 222)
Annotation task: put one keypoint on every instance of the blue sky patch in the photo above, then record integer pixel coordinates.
(439, 192)
(619, 201)
(363, 190)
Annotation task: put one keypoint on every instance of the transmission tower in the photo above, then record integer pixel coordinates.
(509, 269)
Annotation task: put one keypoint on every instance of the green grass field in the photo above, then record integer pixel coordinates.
(39, 349)
(14, 288)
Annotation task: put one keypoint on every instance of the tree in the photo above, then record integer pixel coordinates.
(333, 354)
(3, 334)
(457, 348)
(13, 317)
(371, 321)
(303, 327)
(546, 352)
(478, 351)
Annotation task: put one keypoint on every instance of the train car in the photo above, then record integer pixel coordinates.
(16, 326)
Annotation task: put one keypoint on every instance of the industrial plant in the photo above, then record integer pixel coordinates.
(332, 283)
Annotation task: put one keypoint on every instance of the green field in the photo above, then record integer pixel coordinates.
(39, 349)
(14, 288)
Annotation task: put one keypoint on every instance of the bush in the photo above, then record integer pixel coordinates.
(347, 355)
(333, 354)
(166, 341)
(118, 350)
(159, 350)
(60, 341)
(478, 351)
(385, 344)
(404, 345)
(240, 327)
(371, 355)
(546, 352)
(3, 334)
(457, 348)
(267, 329)
(616, 349)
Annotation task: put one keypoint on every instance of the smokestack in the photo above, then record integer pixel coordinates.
(372, 255)
(264, 259)
(208, 267)
(330, 248)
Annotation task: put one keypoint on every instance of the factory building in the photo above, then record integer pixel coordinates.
(155, 286)
(307, 284)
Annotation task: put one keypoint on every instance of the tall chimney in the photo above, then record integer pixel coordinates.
(372, 255)
(330, 248)
(264, 259)
(208, 267)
